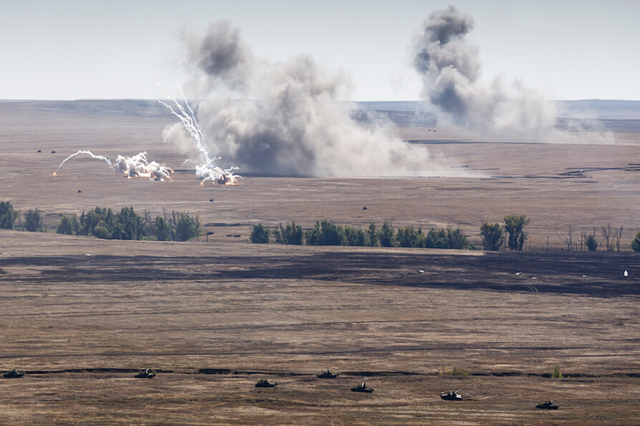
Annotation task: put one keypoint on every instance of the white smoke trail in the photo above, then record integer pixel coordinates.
(205, 168)
(136, 166)
(97, 157)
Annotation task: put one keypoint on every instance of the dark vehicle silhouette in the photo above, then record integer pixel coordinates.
(451, 395)
(264, 383)
(145, 374)
(327, 375)
(547, 405)
(13, 374)
(362, 388)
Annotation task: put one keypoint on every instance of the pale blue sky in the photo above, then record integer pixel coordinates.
(120, 49)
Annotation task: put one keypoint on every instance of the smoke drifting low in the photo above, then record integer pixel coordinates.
(284, 118)
(451, 70)
(135, 166)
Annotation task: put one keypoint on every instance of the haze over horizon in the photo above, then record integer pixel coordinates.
(68, 49)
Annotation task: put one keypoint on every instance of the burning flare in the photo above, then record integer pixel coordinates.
(136, 166)
(205, 168)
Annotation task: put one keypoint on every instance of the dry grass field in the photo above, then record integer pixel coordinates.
(80, 315)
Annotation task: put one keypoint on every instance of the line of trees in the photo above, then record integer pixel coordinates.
(128, 225)
(330, 234)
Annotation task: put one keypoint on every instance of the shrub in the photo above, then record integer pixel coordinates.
(456, 371)
(325, 233)
(436, 238)
(68, 225)
(556, 374)
(492, 237)
(8, 215)
(163, 230)
(188, 227)
(33, 221)
(592, 244)
(101, 232)
(259, 234)
(290, 234)
(353, 236)
(635, 244)
(385, 235)
(514, 226)
(409, 237)
(373, 236)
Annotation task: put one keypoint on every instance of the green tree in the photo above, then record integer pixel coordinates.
(187, 227)
(457, 239)
(492, 237)
(100, 231)
(514, 226)
(635, 244)
(290, 234)
(353, 236)
(592, 244)
(33, 221)
(325, 233)
(8, 215)
(556, 373)
(259, 234)
(409, 237)
(163, 230)
(68, 225)
(437, 238)
(372, 234)
(385, 235)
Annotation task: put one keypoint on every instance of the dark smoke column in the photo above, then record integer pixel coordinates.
(451, 70)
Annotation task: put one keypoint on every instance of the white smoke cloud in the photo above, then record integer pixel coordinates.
(284, 118)
(451, 69)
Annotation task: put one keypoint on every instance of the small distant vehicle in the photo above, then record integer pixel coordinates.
(145, 374)
(451, 395)
(547, 405)
(13, 374)
(327, 375)
(264, 383)
(362, 388)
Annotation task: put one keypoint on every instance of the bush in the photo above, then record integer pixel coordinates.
(259, 234)
(592, 244)
(187, 227)
(514, 226)
(456, 371)
(385, 235)
(492, 237)
(8, 215)
(163, 230)
(556, 374)
(33, 221)
(290, 234)
(325, 233)
(373, 236)
(353, 236)
(102, 232)
(68, 225)
(409, 237)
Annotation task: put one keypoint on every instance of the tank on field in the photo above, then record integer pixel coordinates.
(264, 383)
(451, 395)
(547, 405)
(13, 374)
(145, 374)
(362, 387)
(328, 374)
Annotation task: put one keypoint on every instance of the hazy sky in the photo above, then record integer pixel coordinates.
(568, 49)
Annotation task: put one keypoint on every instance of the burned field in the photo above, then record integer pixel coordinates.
(81, 316)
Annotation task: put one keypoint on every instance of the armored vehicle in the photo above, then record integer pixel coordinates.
(362, 388)
(13, 374)
(145, 374)
(264, 383)
(547, 405)
(327, 375)
(451, 395)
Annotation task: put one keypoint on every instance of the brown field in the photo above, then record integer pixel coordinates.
(80, 316)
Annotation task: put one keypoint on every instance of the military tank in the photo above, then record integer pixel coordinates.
(13, 374)
(328, 374)
(145, 374)
(362, 388)
(451, 395)
(264, 383)
(547, 405)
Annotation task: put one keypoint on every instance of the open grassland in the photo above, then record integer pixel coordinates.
(80, 316)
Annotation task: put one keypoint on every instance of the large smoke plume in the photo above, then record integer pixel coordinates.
(451, 69)
(284, 118)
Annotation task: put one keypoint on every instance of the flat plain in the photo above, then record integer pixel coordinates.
(80, 315)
